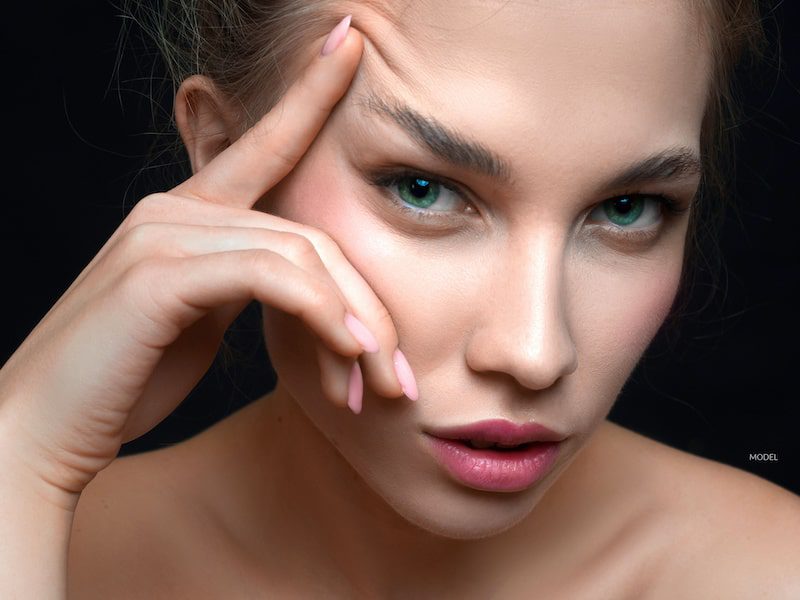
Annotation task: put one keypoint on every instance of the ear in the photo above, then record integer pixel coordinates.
(206, 121)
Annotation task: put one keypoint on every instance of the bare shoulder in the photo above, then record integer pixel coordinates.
(138, 533)
(731, 534)
(125, 529)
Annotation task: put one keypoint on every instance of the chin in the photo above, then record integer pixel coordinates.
(451, 511)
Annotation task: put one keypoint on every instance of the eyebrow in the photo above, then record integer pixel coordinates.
(676, 162)
(441, 140)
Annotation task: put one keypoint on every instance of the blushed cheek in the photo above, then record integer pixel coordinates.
(316, 195)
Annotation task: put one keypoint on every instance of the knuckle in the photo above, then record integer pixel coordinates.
(150, 208)
(320, 239)
(141, 277)
(318, 298)
(285, 158)
(259, 261)
(141, 239)
(300, 249)
(146, 269)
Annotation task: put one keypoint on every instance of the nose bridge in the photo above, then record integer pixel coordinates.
(525, 331)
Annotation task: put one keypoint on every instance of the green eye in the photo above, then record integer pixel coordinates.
(417, 192)
(624, 210)
(632, 211)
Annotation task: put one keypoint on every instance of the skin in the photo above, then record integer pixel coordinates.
(529, 313)
(531, 306)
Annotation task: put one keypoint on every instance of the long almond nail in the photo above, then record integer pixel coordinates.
(336, 36)
(405, 376)
(361, 333)
(355, 390)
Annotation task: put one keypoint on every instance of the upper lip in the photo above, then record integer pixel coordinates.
(499, 431)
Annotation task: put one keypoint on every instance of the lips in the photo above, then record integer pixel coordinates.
(480, 445)
(498, 432)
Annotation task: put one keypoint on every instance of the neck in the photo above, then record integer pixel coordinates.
(302, 508)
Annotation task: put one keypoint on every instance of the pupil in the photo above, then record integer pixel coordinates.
(420, 188)
(623, 205)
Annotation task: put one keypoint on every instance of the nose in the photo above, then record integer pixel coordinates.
(522, 327)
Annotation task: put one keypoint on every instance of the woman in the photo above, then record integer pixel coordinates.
(440, 215)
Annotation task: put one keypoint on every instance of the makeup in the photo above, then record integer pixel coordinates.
(496, 454)
(495, 469)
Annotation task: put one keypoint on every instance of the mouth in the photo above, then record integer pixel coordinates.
(496, 454)
(483, 445)
(497, 434)
(494, 467)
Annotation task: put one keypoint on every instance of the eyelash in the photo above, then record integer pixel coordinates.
(391, 177)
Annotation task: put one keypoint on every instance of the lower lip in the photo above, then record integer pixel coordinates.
(495, 470)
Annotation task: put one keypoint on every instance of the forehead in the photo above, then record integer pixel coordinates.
(592, 73)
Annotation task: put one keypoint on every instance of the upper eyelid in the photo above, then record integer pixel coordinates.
(388, 174)
(391, 175)
(623, 235)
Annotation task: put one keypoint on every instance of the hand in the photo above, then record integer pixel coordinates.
(143, 321)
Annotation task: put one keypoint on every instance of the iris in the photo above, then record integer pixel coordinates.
(623, 210)
(418, 192)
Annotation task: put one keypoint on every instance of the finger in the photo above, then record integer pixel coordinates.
(379, 373)
(165, 240)
(334, 375)
(264, 154)
(174, 293)
(378, 368)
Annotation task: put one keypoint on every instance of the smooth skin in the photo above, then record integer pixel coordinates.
(143, 321)
(515, 314)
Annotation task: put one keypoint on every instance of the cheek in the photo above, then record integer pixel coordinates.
(315, 194)
(411, 278)
(616, 312)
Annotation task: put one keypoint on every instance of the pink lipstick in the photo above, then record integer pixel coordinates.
(496, 455)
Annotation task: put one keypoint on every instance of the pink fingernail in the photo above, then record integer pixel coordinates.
(355, 390)
(405, 376)
(336, 36)
(361, 333)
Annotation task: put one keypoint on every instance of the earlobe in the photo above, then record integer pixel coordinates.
(205, 120)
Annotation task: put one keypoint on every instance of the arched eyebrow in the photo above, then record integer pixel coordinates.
(444, 142)
(676, 162)
(673, 163)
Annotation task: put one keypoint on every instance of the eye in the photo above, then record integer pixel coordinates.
(422, 196)
(624, 211)
(635, 215)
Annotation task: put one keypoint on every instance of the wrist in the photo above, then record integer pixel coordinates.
(23, 473)
(35, 527)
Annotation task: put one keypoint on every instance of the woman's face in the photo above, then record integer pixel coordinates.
(524, 286)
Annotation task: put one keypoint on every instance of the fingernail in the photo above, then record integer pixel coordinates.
(361, 333)
(336, 36)
(405, 376)
(355, 389)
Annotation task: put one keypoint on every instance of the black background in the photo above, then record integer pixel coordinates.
(75, 146)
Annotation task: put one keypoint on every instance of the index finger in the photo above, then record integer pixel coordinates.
(265, 153)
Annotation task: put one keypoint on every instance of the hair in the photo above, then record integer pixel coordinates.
(246, 47)
(735, 37)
